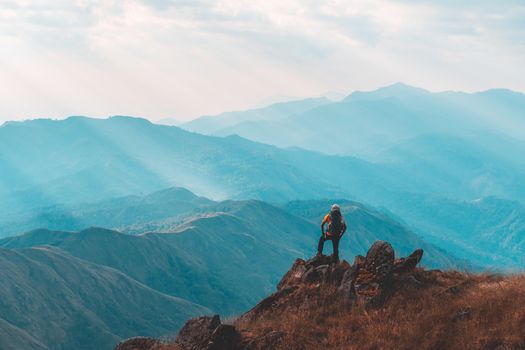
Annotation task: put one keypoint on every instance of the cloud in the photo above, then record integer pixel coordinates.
(183, 58)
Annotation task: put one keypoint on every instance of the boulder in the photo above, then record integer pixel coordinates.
(319, 269)
(379, 273)
(196, 332)
(409, 263)
(207, 333)
(380, 255)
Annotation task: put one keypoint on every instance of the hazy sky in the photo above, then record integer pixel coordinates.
(184, 58)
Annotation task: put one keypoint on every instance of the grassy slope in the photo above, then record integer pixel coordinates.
(451, 311)
(49, 299)
(226, 260)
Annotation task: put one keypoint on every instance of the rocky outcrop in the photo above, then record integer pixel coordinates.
(208, 333)
(317, 270)
(370, 280)
(196, 332)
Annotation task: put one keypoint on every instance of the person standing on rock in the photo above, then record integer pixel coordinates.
(334, 231)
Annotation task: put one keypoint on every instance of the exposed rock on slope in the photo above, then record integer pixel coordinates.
(369, 281)
(379, 302)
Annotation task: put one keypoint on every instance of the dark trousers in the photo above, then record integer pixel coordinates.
(335, 244)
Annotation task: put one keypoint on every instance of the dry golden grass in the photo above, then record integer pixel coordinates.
(450, 311)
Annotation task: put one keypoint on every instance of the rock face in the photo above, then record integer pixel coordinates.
(196, 331)
(369, 280)
(207, 333)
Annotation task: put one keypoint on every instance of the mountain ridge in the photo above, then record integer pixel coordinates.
(438, 110)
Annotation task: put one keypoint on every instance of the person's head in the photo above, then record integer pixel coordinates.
(335, 207)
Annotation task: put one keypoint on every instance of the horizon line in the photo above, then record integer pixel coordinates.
(284, 101)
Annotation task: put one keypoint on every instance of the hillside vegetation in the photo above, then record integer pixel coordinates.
(230, 254)
(375, 303)
(51, 300)
(448, 311)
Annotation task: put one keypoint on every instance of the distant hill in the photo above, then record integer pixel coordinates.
(488, 231)
(83, 160)
(367, 225)
(169, 122)
(460, 144)
(274, 112)
(294, 226)
(482, 164)
(119, 212)
(366, 123)
(206, 262)
(52, 300)
(206, 259)
(90, 160)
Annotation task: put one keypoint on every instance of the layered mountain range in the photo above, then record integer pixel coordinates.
(366, 124)
(118, 227)
(445, 143)
(193, 255)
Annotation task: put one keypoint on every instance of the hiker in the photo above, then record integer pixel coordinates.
(335, 230)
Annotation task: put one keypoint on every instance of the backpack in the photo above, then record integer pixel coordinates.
(335, 227)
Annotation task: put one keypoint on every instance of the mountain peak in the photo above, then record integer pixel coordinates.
(507, 95)
(393, 90)
(402, 87)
